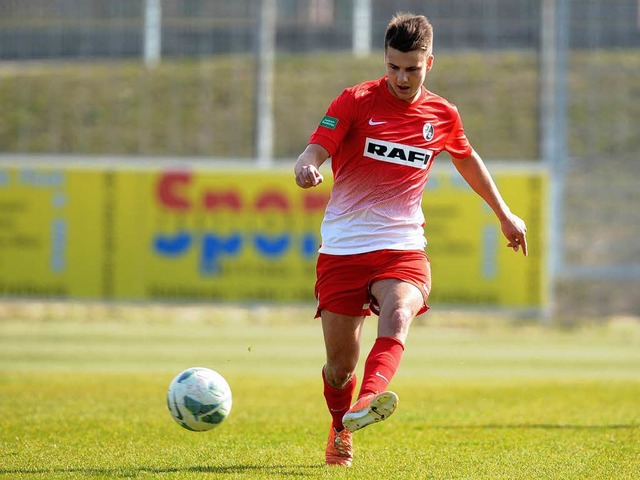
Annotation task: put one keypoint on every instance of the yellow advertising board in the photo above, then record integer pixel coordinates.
(206, 234)
(202, 235)
(51, 232)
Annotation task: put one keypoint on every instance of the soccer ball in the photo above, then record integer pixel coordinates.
(199, 399)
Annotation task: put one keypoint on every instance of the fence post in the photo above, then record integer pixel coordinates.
(553, 122)
(264, 82)
(361, 28)
(152, 32)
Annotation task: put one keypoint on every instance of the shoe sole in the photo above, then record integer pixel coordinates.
(380, 408)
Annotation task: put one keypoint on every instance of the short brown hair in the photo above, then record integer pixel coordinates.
(407, 32)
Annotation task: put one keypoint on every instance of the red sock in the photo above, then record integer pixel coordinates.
(338, 400)
(381, 365)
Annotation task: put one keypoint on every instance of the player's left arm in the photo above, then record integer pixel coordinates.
(476, 174)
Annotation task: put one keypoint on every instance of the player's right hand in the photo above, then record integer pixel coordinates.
(308, 176)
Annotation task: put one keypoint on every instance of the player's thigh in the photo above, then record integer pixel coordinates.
(399, 302)
(394, 274)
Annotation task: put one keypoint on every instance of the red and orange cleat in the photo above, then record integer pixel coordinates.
(339, 448)
(370, 409)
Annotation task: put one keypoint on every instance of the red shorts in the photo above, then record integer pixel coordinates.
(344, 281)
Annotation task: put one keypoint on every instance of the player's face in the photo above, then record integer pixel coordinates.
(406, 72)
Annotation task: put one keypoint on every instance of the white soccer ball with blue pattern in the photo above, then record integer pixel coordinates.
(199, 399)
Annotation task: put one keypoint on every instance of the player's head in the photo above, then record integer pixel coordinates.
(407, 54)
(407, 32)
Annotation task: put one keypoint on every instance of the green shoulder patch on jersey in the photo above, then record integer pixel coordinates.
(329, 122)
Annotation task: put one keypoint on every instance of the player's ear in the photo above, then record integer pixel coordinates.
(429, 62)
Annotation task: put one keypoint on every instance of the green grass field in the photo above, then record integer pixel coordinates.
(82, 395)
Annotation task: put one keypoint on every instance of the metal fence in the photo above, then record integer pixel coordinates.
(73, 80)
(54, 29)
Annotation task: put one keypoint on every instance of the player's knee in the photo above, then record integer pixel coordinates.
(396, 322)
(402, 315)
(338, 375)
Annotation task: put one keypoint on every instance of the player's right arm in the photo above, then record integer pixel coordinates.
(326, 138)
(307, 168)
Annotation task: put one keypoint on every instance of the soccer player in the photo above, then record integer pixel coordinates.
(382, 137)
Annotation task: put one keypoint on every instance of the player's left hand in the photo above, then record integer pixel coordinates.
(515, 230)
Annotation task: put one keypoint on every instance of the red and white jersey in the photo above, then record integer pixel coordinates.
(382, 149)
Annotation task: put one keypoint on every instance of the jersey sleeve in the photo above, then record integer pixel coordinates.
(335, 124)
(457, 143)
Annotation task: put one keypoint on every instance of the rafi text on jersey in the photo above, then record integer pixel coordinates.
(397, 153)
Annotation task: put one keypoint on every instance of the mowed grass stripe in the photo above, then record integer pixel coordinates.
(86, 400)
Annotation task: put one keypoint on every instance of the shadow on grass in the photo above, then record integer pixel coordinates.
(269, 471)
(534, 426)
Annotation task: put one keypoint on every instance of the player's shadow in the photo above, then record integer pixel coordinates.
(269, 471)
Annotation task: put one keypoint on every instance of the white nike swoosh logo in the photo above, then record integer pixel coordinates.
(378, 374)
(371, 122)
